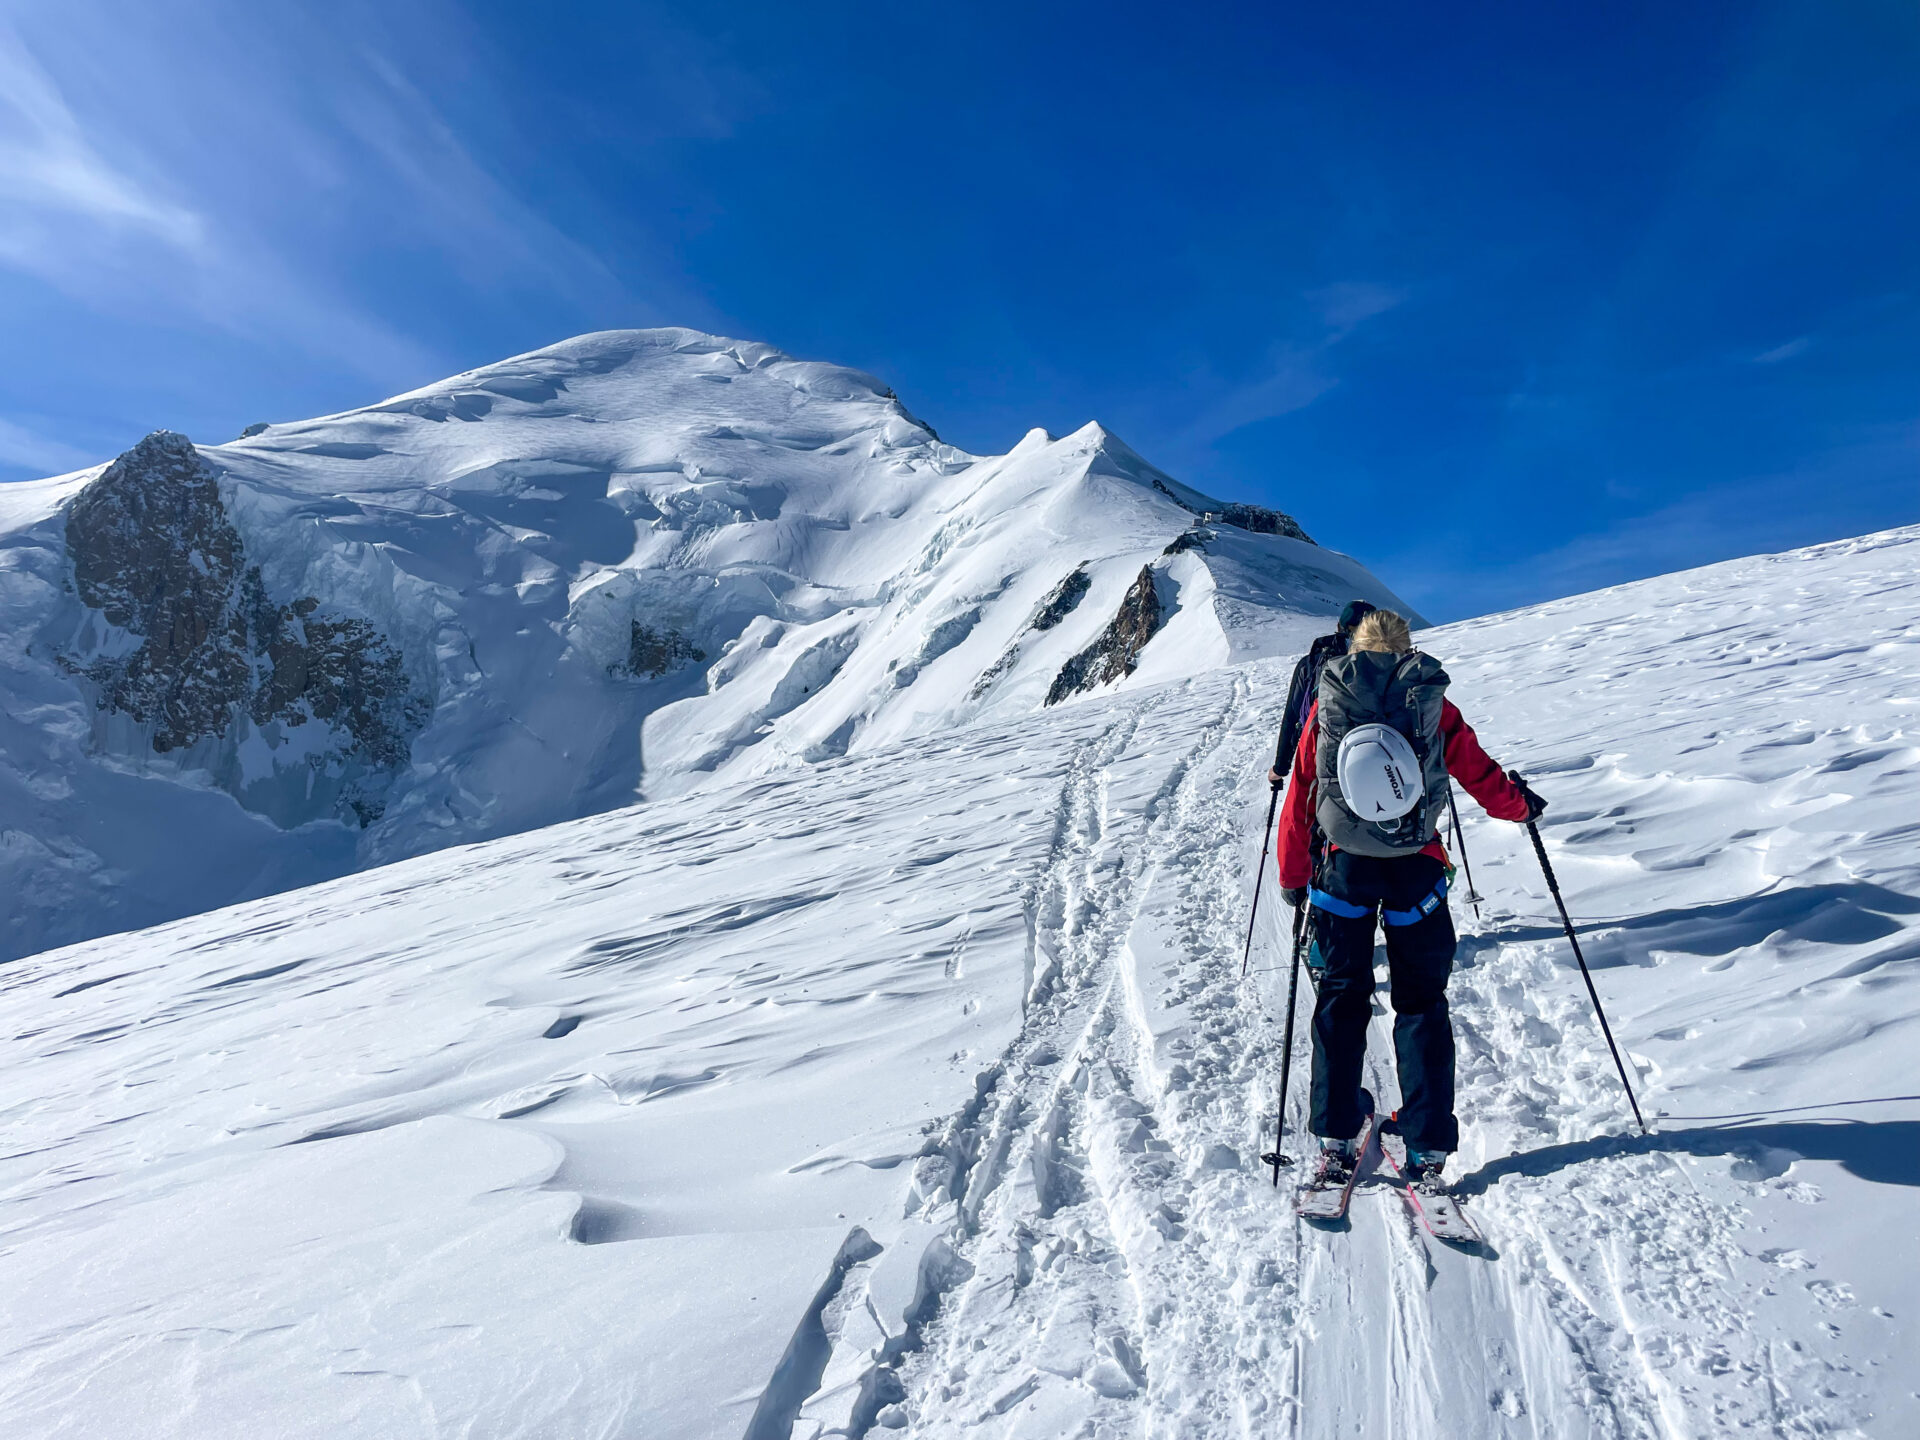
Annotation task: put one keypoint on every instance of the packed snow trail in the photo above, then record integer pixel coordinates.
(920, 1091)
(1132, 1247)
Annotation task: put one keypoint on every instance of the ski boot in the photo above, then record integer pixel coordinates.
(1316, 964)
(1333, 1166)
(1327, 1188)
(1425, 1171)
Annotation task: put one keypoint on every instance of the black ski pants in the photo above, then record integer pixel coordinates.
(1350, 897)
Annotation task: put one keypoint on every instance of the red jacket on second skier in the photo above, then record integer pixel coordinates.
(1466, 762)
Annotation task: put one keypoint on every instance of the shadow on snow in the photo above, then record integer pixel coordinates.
(1886, 1152)
(1856, 913)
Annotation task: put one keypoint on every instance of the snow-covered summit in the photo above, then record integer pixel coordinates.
(625, 565)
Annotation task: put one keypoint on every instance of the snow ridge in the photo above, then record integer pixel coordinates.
(625, 566)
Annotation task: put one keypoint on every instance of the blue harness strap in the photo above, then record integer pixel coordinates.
(1421, 911)
(1347, 910)
(1334, 905)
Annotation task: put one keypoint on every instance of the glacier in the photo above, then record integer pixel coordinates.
(628, 565)
(916, 1090)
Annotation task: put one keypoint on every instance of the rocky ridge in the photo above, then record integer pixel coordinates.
(1115, 654)
(179, 636)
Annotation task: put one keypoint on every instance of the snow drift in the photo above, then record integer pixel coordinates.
(630, 564)
(918, 1090)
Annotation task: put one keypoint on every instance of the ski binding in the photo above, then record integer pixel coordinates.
(1440, 1213)
(1329, 1202)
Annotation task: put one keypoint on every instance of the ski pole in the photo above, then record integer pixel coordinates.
(1266, 838)
(1540, 849)
(1277, 1159)
(1460, 844)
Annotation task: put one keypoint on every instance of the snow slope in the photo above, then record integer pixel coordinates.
(635, 562)
(919, 1089)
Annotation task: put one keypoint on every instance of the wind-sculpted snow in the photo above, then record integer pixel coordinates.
(918, 1092)
(632, 564)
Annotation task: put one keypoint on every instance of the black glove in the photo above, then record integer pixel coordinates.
(1535, 804)
(1294, 895)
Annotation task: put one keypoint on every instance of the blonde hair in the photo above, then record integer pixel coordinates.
(1382, 630)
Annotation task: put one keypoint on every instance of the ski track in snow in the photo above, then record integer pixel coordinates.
(1123, 1254)
(668, 1146)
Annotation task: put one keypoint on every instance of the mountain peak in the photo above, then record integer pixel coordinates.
(1113, 456)
(630, 563)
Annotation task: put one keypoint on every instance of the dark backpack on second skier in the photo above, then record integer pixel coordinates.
(1305, 686)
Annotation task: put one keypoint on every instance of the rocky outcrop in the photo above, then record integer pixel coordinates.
(197, 648)
(1194, 537)
(154, 553)
(651, 652)
(1008, 659)
(1256, 518)
(337, 670)
(1060, 602)
(1063, 599)
(1261, 521)
(1116, 653)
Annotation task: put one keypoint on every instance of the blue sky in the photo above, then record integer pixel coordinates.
(1508, 300)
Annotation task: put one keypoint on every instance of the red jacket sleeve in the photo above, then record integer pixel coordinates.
(1475, 769)
(1296, 812)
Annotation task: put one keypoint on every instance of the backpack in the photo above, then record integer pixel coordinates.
(1301, 692)
(1380, 719)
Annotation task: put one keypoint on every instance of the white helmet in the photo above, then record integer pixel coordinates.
(1379, 774)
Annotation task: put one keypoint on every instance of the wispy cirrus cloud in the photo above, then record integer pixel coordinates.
(53, 179)
(1296, 376)
(1297, 372)
(1347, 304)
(1788, 351)
(284, 176)
(32, 454)
(1867, 475)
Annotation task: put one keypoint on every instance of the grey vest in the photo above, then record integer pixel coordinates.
(1406, 692)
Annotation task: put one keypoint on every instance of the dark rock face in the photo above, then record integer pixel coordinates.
(1062, 600)
(1193, 538)
(652, 652)
(1256, 518)
(993, 672)
(1117, 652)
(1262, 521)
(154, 552)
(337, 670)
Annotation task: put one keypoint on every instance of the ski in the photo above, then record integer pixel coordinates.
(1440, 1213)
(1329, 1202)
